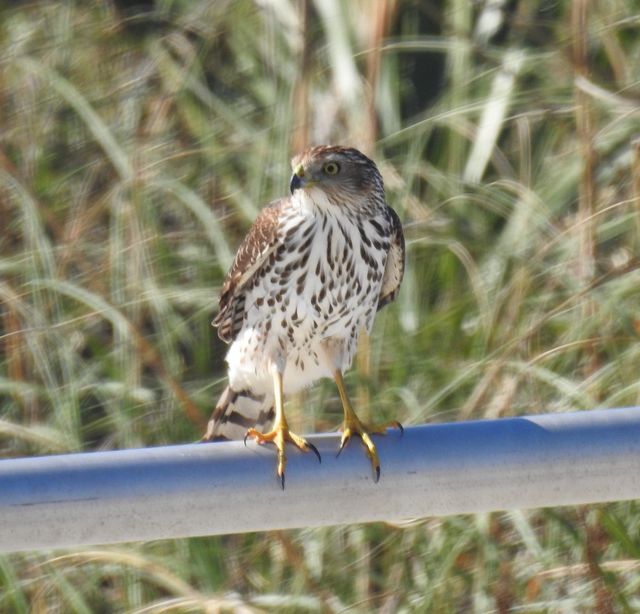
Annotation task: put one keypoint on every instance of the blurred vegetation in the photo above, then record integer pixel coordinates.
(138, 142)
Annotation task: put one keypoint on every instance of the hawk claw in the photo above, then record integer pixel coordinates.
(278, 437)
(353, 426)
(315, 451)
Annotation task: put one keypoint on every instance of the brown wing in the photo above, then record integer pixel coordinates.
(394, 269)
(260, 242)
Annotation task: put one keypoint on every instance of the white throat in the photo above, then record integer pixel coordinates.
(312, 201)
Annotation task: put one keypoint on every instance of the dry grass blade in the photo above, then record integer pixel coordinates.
(94, 123)
(140, 565)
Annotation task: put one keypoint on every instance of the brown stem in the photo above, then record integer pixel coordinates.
(585, 265)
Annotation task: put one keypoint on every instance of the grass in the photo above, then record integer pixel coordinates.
(136, 148)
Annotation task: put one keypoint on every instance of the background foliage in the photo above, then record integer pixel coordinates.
(137, 145)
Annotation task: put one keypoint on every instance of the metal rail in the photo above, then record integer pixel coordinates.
(205, 489)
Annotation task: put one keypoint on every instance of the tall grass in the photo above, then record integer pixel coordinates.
(136, 148)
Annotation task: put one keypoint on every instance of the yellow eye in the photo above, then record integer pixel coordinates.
(331, 168)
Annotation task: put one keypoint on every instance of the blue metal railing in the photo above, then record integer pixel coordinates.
(205, 489)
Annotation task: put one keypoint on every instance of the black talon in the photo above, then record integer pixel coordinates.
(245, 439)
(282, 481)
(401, 429)
(377, 474)
(343, 445)
(315, 451)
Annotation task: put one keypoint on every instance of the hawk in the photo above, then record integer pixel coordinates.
(310, 275)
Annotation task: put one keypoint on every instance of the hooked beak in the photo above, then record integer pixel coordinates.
(298, 179)
(296, 182)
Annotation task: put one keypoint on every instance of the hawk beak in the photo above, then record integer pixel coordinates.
(297, 179)
(296, 182)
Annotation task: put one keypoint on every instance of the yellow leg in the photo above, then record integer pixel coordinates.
(281, 433)
(353, 426)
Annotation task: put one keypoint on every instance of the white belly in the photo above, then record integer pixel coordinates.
(292, 311)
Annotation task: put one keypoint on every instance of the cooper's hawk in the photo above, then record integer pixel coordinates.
(310, 275)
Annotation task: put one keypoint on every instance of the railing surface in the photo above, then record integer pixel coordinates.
(206, 489)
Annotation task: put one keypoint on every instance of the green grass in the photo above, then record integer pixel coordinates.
(136, 149)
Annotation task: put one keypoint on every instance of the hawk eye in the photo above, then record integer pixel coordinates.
(331, 168)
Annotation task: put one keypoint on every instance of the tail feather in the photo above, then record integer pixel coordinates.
(237, 411)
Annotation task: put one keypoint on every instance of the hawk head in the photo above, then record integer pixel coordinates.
(341, 172)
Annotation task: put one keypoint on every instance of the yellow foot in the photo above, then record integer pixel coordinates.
(353, 426)
(278, 437)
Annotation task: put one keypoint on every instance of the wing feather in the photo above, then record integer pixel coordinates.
(260, 242)
(394, 268)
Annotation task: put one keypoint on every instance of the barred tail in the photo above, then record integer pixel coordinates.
(237, 411)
